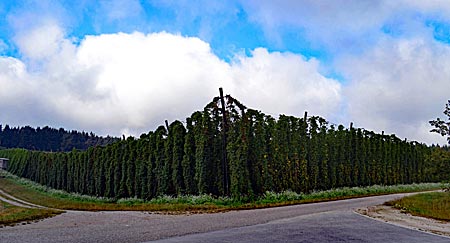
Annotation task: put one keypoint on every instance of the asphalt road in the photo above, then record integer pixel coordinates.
(336, 226)
(319, 222)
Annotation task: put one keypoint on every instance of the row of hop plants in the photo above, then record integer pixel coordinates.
(240, 153)
(268, 197)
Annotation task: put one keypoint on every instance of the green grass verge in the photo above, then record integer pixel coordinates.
(432, 205)
(41, 195)
(11, 215)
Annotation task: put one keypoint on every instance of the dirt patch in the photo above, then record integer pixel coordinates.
(397, 217)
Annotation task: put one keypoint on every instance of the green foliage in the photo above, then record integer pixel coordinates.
(55, 193)
(202, 152)
(441, 126)
(49, 139)
(238, 155)
(446, 186)
(46, 196)
(178, 133)
(437, 165)
(188, 162)
(242, 156)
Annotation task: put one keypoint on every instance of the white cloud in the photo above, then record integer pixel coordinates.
(345, 26)
(12, 78)
(436, 6)
(42, 42)
(117, 10)
(336, 24)
(149, 78)
(209, 16)
(399, 86)
(284, 83)
(19, 95)
(130, 83)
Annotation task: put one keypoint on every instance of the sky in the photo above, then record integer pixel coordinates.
(124, 66)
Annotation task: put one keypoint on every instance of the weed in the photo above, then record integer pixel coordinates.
(434, 205)
(10, 215)
(446, 186)
(38, 194)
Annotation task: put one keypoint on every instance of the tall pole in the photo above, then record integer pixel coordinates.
(224, 143)
(167, 127)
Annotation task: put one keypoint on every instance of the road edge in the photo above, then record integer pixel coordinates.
(364, 213)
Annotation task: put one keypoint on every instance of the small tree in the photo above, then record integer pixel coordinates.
(441, 126)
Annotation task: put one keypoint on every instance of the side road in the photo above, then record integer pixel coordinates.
(16, 201)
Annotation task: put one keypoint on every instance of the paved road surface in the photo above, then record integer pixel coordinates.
(320, 222)
(335, 226)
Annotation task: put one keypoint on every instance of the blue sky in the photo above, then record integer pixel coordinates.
(225, 26)
(123, 67)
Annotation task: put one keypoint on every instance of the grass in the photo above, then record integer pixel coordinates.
(10, 215)
(432, 205)
(41, 195)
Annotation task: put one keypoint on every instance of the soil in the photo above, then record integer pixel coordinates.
(397, 217)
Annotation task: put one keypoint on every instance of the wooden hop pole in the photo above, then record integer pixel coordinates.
(224, 143)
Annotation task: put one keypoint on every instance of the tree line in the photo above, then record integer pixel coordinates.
(49, 139)
(234, 151)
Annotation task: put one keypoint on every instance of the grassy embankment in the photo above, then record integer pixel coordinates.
(41, 195)
(10, 215)
(432, 205)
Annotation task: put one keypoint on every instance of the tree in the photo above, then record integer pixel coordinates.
(238, 151)
(441, 126)
(178, 132)
(188, 162)
(161, 170)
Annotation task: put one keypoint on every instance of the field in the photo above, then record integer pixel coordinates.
(433, 205)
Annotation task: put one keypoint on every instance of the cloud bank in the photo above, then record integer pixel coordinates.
(130, 83)
(398, 86)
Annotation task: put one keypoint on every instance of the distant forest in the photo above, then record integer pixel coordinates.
(49, 139)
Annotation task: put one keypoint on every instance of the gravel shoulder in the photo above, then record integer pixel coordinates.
(397, 217)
